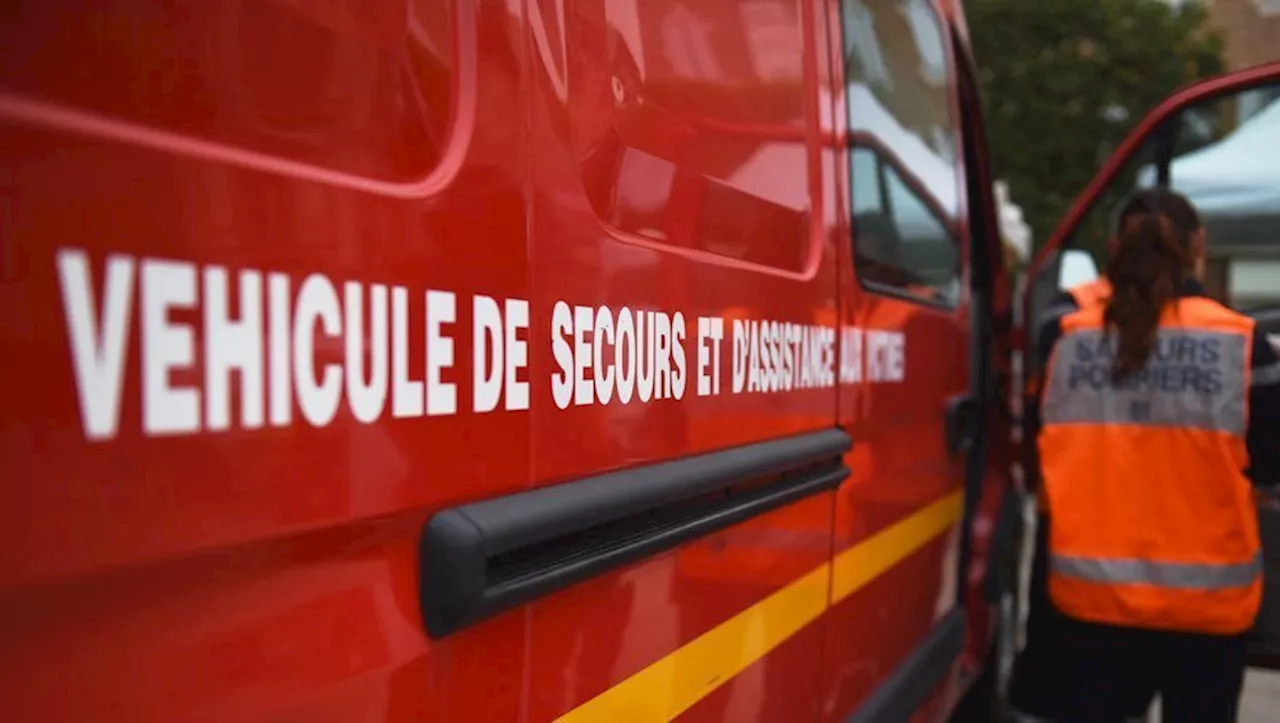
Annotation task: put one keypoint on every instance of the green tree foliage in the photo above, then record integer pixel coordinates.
(1065, 80)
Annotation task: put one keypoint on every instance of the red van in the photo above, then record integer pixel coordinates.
(445, 360)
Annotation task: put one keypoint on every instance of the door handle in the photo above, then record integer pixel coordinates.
(962, 424)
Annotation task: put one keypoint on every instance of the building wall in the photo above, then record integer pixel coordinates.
(1250, 29)
(1251, 36)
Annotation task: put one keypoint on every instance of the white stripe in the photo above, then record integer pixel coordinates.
(1171, 575)
(1053, 312)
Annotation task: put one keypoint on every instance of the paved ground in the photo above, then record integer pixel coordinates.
(1261, 702)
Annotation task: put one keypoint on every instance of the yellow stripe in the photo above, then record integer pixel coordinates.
(673, 684)
(867, 560)
(670, 686)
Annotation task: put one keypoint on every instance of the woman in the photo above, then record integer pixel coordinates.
(1147, 416)
(1039, 676)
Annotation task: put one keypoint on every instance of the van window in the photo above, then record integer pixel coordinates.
(905, 179)
(368, 93)
(901, 244)
(689, 125)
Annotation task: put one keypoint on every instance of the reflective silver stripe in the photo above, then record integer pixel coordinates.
(1173, 575)
(1053, 312)
(1267, 376)
(1194, 379)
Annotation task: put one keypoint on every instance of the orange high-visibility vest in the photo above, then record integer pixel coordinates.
(1091, 292)
(1152, 518)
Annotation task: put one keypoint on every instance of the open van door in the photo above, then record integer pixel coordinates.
(1215, 143)
(1265, 646)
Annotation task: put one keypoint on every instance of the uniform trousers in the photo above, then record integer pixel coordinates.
(1199, 677)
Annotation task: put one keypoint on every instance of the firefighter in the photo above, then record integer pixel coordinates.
(1038, 677)
(1155, 399)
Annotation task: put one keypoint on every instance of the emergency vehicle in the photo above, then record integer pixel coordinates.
(468, 360)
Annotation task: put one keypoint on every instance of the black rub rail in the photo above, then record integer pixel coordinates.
(482, 558)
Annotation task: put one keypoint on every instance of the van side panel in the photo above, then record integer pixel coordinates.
(213, 481)
(285, 283)
(896, 559)
(675, 177)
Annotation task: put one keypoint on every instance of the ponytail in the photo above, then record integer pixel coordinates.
(1147, 272)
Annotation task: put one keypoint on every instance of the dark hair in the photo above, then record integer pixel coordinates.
(1171, 204)
(1151, 263)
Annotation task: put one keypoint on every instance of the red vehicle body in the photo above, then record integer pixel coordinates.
(461, 360)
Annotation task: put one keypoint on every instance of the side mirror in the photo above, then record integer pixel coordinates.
(1075, 267)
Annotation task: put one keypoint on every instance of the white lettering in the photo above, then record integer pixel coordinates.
(769, 356)
(739, 356)
(583, 387)
(717, 336)
(808, 355)
(97, 343)
(317, 304)
(704, 356)
(233, 346)
(851, 356)
(562, 380)
(604, 335)
(645, 357)
(279, 340)
(367, 400)
(677, 352)
(624, 355)
(753, 372)
(828, 356)
(661, 356)
(408, 398)
(487, 336)
(886, 356)
(792, 356)
(517, 352)
(263, 346)
(167, 346)
(897, 361)
(442, 396)
(773, 367)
